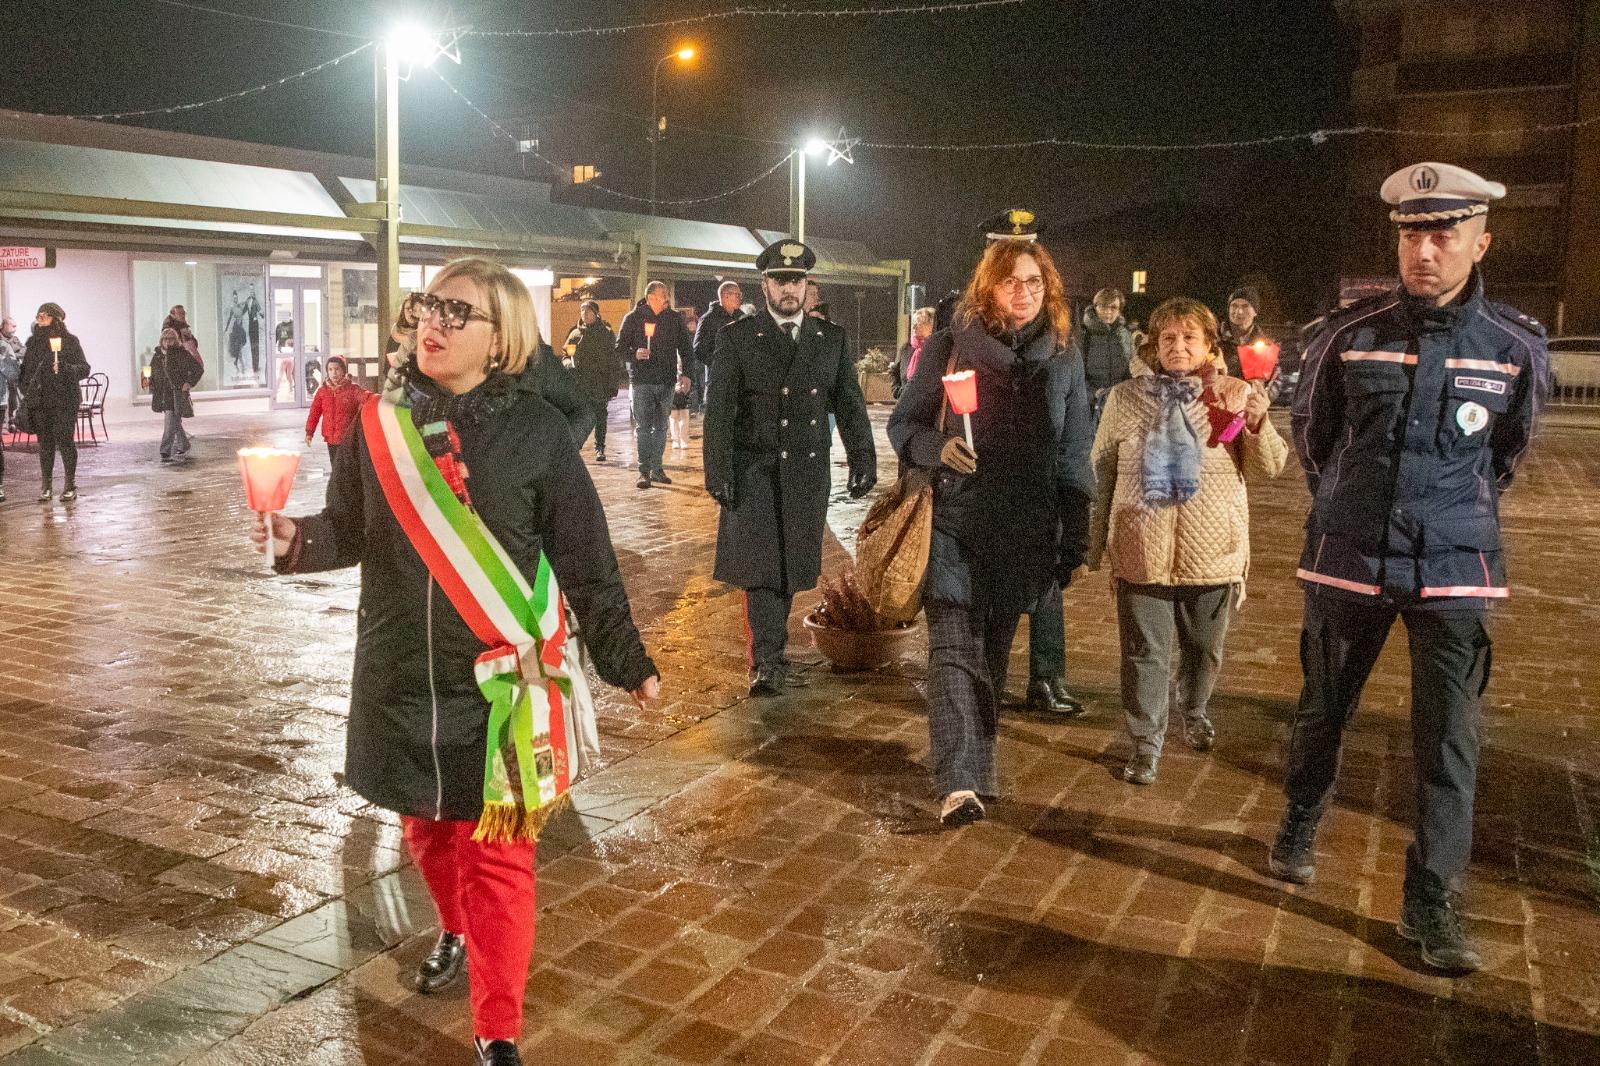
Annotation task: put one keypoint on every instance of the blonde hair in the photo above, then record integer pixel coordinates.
(516, 326)
(920, 316)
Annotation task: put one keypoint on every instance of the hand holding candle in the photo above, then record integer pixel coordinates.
(55, 357)
(961, 389)
(268, 475)
(649, 335)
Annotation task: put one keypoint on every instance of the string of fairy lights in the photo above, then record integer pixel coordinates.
(1314, 137)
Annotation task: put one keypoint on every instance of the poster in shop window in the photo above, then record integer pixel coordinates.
(241, 353)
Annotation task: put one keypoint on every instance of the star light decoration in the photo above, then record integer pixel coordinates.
(841, 147)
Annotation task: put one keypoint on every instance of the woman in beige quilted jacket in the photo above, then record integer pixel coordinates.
(1172, 518)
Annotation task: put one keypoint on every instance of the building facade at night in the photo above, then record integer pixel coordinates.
(1487, 76)
(269, 250)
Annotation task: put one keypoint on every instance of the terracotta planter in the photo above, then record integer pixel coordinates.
(849, 649)
(876, 388)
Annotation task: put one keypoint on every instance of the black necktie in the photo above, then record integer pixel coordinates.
(791, 328)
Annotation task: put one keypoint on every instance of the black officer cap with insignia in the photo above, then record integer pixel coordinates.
(1013, 224)
(787, 257)
(1437, 195)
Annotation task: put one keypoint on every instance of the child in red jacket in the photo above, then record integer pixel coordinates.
(336, 404)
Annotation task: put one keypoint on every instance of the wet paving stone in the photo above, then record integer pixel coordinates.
(183, 877)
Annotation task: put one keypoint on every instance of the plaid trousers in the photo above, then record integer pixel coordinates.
(967, 652)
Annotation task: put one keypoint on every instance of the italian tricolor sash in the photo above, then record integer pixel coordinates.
(542, 732)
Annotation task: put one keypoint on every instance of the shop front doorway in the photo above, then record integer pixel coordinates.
(298, 327)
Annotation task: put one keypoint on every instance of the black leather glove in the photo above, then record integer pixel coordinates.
(724, 494)
(862, 483)
(1065, 565)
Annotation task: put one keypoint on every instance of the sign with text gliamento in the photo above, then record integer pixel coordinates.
(27, 258)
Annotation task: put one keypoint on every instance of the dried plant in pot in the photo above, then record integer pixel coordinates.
(848, 632)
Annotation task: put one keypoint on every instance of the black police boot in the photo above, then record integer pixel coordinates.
(767, 679)
(1199, 733)
(497, 1052)
(444, 965)
(1435, 926)
(1294, 852)
(1068, 705)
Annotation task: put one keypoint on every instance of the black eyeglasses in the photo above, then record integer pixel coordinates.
(453, 314)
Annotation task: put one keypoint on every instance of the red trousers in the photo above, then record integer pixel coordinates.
(485, 892)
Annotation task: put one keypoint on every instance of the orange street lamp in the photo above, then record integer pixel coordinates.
(683, 54)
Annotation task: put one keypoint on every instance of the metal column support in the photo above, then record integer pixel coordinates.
(386, 89)
(641, 265)
(797, 195)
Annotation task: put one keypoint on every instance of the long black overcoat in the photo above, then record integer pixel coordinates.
(766, 434)
(418, 723)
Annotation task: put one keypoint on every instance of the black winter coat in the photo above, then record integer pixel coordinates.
(550, 379)
(671, 348)
(170, 370)
(50, 384)
(1000, 534)
(766, 435)
(711, 323)
(1106, 351)
(594, 361)
(418, 724)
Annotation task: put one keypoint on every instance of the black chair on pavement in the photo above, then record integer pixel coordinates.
(93, 405)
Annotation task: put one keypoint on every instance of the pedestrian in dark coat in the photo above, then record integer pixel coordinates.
(173, 372)
(52, 366)
(656, 347)
(728, 307)
(766, 451)
(418, 719)
(591, 347)
(1105, 344)
(1243, 327)
(1011, 516)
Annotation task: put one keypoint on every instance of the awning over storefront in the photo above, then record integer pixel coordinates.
(87, 184)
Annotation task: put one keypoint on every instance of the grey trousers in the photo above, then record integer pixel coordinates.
(1151, 620)
(174, 439)
(652, 404)
(967, 653)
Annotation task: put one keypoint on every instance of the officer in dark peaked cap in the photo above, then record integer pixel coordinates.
(1413, 410)
(776, 377)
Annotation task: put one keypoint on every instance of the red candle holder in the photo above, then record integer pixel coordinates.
(961, 389)
(1257, 361)
(268, 475)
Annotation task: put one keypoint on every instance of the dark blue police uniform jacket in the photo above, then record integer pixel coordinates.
(1409, 421)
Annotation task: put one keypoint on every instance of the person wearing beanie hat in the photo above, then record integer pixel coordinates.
(590, 348)
(52, 366)
(1243, 327)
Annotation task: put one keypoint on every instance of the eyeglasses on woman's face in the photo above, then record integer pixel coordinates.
(1013, 285)
(453, 314)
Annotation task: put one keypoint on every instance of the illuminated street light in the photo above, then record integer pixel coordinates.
(657, 122)
(836, 149)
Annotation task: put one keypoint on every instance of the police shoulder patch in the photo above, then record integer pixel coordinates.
(1527, 322)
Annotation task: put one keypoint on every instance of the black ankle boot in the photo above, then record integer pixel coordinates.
(497, 1052)
(444, 965)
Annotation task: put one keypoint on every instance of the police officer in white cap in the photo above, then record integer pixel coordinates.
(1413, 410)
(776, 377)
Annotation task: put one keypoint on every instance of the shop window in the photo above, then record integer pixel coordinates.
(224, 303)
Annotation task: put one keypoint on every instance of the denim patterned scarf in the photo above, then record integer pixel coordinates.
(1170, 467)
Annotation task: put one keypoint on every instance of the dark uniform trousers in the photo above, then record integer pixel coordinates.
(1047, 637)
(1450, 662)
(766, 623)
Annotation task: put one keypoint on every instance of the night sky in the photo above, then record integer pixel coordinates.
(1112, 71)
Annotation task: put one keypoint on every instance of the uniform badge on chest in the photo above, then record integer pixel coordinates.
(1472, 417)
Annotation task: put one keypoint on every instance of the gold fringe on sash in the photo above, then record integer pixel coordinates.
(507, 823)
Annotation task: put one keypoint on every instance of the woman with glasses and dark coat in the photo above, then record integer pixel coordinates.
(419, 722)
(1011, 513)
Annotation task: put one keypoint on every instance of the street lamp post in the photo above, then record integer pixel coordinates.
(387, 167)
(797, 186)
(684, 54)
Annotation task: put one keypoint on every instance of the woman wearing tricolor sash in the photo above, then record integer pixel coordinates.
(463, 498)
